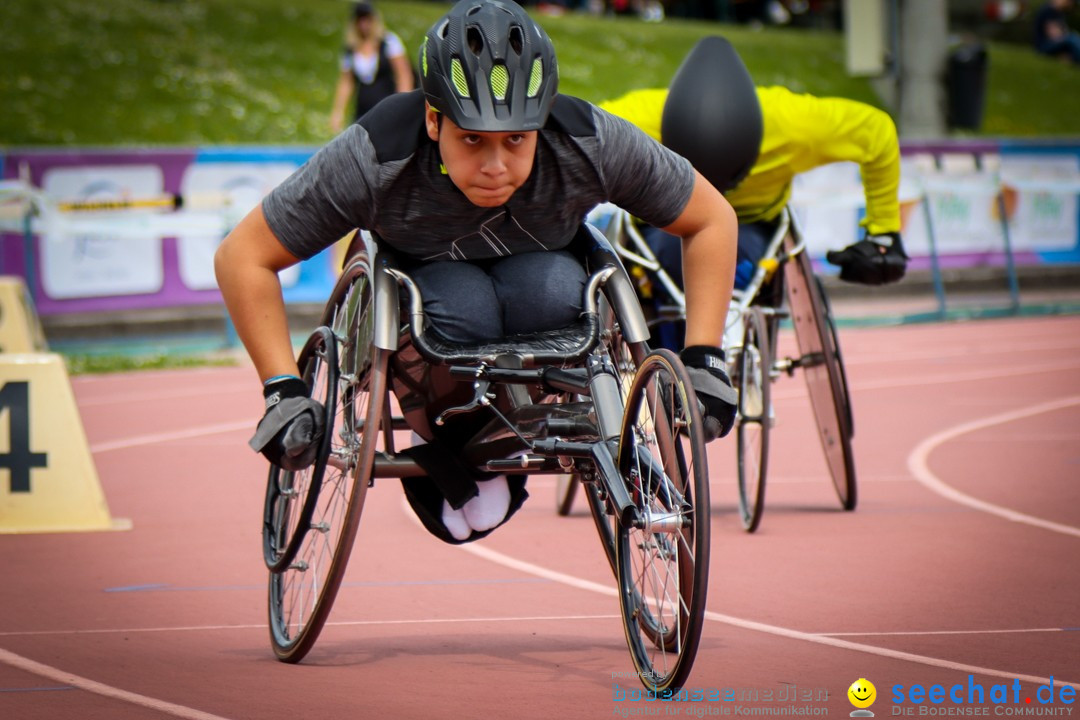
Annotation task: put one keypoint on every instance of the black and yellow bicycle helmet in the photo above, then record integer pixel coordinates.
(489, 67)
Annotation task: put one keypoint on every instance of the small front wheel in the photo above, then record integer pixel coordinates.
(291, 496)
(663, 554)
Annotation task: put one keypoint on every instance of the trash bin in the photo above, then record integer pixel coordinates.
(965, 80)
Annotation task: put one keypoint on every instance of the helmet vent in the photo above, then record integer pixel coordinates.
(500, 82)
(517, 40)
(474, 39)
(457, 76)
(536, 76)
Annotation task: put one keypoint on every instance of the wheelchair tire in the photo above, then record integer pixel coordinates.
(753, 368)
(302, 594)
(291, 496)
(820, 366)
(663, 559)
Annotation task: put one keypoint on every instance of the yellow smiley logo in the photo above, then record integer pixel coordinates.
(862, 693)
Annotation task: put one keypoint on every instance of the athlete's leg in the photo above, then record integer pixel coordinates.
(459, 301)
(538, 291)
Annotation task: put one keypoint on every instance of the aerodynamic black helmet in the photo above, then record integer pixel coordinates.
(489, 67)
(712, 116)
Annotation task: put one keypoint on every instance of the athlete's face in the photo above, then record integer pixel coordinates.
(487, 166)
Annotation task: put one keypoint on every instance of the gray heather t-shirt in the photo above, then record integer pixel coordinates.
(383, 174)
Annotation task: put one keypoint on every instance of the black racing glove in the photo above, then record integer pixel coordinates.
(874, 260)
(291, 429)
(705, 365)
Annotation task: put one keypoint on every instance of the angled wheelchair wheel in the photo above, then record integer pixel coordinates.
(753, 365)
(291, 496)
(820, 365)
(835, 338)
(302, 593)
(663, 557)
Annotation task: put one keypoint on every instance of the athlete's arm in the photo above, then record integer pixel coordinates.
(403, 77)
(342, 92)
(709, 231)
(246, 264)
(845, 130)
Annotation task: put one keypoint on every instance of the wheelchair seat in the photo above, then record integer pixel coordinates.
(564, 346)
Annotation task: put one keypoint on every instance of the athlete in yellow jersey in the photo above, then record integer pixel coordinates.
(802, 132)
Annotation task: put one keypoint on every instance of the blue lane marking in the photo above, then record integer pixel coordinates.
(164, 587)
(137, 588)
(37, 689)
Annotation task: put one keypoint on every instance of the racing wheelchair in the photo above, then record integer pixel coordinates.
(591, 399)
(783, 287)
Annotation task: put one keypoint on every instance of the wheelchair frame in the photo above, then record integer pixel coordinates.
(750, 342)
(623, 419)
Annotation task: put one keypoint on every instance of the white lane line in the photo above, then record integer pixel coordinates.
(69, 679)
(156, 438)
(788, 392)
(27, 665)
(901, 633)
(580, 583)
(334, 623)
(917, 464)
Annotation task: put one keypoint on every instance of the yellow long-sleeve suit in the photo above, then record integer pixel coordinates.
(801, 132)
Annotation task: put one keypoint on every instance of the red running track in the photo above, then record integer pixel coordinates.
(960, 567)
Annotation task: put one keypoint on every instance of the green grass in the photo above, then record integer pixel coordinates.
(95, 364)
(148, 72)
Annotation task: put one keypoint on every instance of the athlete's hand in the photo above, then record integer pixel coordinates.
(291, 429)
(874, 260)
(705, 365)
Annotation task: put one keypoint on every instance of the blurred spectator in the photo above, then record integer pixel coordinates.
(1052, 34)
(373, 65)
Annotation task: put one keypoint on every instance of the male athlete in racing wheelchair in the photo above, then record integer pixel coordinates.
(477, 185)
(479, 181)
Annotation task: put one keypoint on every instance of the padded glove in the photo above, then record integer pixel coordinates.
(874, 260)
(705, 365)
(291, 429)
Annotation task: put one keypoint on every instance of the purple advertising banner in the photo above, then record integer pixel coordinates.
(82, 258)
(964, 200)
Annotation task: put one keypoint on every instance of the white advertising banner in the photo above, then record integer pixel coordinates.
(1040, 199)
(98, 264)
(827, 200)
(242, 186)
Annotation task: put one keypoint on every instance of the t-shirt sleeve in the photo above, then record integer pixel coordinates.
(639, 174)
(346, 59)
(394, 46)
(330, 195)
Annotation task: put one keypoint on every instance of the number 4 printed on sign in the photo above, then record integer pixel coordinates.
(19, 459)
